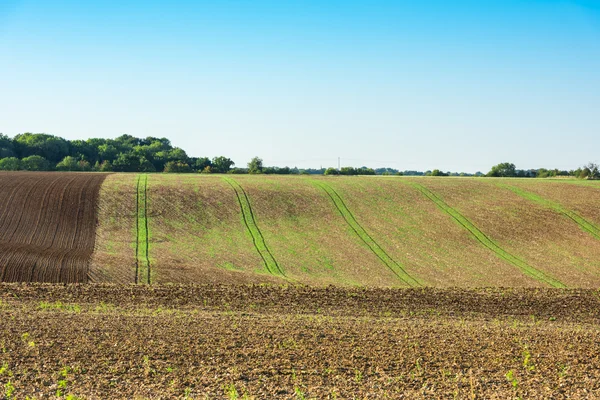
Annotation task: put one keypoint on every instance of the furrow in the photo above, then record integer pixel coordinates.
(487, 242)
(584, 224)
(271, 264)
(393, 265)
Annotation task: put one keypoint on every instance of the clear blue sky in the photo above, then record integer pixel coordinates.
(454, 85)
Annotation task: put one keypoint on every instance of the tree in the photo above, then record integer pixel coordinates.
(68, 163)
(503, 170)
(10, 164)
(255, 166)
(591, 171)
(50, 147)
(437, 172)
(331, 171)
(6, 147)
(199, 164)
(221, 164)
(35, 163)
(177, 167)
(105, 166)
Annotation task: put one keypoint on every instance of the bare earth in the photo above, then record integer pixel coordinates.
(263, 341)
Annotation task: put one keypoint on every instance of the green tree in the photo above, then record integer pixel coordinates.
(177, 167)
(331, 171)
(504, 170)
(199, 164)
(50, 147)
(68, 163)
(35, 163)
(437, 172)
(6, 147)
(10, 164)
(221, 164)
(255, 166)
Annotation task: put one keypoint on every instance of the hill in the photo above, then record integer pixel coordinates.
(350, 231)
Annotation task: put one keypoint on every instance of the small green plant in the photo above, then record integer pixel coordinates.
(231, 392)
(4, 369)
(510, 376)
(358, 376)
(9, 390)
(299, 394)
(527, 363)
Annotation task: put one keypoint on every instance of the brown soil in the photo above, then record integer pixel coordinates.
(105, 341)
(47, 225)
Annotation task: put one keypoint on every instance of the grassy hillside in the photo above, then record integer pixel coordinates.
(350, 231)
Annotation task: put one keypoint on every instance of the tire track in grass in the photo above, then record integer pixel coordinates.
(137, 229)
(584, 224)
(394, 266)
(142, 258)
(487, 242)
(257, 237)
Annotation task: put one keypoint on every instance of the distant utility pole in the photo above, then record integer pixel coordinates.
(339, 169)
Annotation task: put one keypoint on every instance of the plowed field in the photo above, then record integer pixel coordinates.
(267, 342)
(47, 226)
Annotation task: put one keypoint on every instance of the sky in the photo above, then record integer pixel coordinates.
(412, 85)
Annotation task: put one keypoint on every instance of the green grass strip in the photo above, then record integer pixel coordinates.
(487, 242)
(142, 258)
(258, 239)
(394, 266)
(584, 224)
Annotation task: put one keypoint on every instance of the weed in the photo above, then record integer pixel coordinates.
(9, 390)
(299, 394)
(358, 376)
(510, 376)
(231, 392)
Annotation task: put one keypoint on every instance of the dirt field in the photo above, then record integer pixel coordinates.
(228, 341)
(47, 226)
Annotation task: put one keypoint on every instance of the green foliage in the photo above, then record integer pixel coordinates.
(503, 170)
(221, 164)
(6, 147)
(69, 164)
(437, 172)
(35, 163)
(50, 147)
(10, 164)
(255, 166)
(331, 171)
(177, 167)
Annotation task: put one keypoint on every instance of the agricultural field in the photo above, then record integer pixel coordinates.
(368, 231)
(297, 287)
(47, 226)
(297, 342)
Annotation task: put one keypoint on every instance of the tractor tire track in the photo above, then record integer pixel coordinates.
(584, 224)
(271, 264)
(137, 230)
(142, 244)
(487, 242)
(394, 266)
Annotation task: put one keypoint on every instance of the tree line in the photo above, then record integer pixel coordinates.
(43, 152)
(509, 170)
